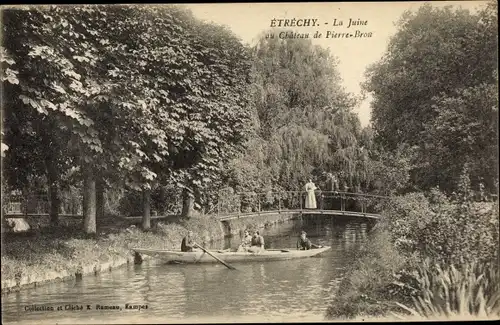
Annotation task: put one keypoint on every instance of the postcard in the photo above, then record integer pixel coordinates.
(250, 162)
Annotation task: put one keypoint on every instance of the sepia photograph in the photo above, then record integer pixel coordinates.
(249, 162)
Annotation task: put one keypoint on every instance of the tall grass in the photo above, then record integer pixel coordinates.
(365, 290)
(472, 289)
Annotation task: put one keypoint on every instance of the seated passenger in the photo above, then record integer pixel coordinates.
(188, 244)
(246, 242)
(304, 243)
(257, 243)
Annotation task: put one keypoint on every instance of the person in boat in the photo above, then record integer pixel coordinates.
(311, 196)
(188, 244)
(246, 242)
(303, 243)
(257, 243)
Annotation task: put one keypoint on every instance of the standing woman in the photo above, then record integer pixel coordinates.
(311, 197)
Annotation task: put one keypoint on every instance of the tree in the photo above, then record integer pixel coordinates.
(463, 132)
(426, 87)
(305, 116)
(38, 107)
(295, 79)
(214, 109)
(172, 88)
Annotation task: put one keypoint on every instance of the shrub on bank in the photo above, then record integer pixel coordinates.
(449, 230)
(461, 234)
(404, 216)
(390, 274)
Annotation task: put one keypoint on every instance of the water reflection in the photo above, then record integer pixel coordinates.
(268, 289)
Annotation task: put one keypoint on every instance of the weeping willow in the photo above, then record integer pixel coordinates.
(306, 126)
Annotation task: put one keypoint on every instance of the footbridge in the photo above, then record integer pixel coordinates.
(229, 206)
(328, 203)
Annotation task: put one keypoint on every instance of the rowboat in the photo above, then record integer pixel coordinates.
(201, 257)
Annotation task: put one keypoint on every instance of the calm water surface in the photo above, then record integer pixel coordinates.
(268, 291)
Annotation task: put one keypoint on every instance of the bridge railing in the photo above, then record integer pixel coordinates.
(248, 202)
(39, 204)
(228, 203)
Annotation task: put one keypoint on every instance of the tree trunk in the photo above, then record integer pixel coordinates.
(146, 209)
(89, 201)
(99, 187)
(187, 204)
(54, 199)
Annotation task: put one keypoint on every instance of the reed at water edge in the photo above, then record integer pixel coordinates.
(469, 290)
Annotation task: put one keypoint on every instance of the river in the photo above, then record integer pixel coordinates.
(292, 290)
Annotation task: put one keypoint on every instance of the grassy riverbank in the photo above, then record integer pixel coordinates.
(52, 253)
(431, 258)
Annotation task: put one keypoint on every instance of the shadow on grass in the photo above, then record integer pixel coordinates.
(44, 239)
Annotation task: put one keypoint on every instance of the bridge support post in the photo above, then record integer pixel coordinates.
(25, 197)
(279, 202)
(239, 208)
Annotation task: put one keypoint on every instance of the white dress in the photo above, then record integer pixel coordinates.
(311, 197)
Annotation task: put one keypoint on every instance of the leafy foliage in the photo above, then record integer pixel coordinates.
(304, 125)
(173, 89)
(389, 173)
(461, 231)
(435, 89)
(449, 232)
(464, 131)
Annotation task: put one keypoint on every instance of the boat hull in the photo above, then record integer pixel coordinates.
(229, 257)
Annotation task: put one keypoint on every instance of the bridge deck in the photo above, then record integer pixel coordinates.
(300, 211)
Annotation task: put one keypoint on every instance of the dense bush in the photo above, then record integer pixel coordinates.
(448, 229)
(131, 204)
(458, 234)
(404, 216)
(393, 267)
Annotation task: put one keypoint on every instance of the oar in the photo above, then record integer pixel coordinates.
(218, 259)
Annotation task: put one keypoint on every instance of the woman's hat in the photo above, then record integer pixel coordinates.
(303, 232)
